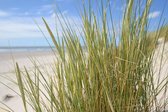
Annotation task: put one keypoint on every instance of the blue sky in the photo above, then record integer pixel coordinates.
(18, 28)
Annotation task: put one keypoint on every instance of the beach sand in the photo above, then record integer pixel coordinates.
(160, 71)
(8, 90)
(9, 98)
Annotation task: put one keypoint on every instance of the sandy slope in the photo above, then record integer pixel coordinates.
(160, 70)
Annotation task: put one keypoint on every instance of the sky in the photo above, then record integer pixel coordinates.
(19, 19)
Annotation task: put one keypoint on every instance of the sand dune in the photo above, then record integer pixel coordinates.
(160, 70)
(7, 71)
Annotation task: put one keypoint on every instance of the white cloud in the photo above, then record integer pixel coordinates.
(49, 8)
(25, 27)
(13, 28)
(14, 9)
(3, 13)
(46, 7)
(153, 15)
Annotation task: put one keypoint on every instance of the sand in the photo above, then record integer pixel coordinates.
(160, 70)
(9, 98)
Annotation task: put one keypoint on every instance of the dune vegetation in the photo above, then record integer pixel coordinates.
(107, 76)
(162, 32)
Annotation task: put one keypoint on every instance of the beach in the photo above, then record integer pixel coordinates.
(9, 97)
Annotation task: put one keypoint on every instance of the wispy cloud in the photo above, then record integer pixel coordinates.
(3, 13)
(17, 28)
(154, 14)
(14, 9)
(25, 27)
(46, 7)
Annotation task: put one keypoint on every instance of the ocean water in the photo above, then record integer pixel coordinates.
(24, 49)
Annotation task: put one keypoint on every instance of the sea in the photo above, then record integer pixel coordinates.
(24, 49)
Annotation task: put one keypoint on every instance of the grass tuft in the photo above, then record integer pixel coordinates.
(101, 75)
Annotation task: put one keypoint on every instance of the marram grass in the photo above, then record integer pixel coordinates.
(102, 75)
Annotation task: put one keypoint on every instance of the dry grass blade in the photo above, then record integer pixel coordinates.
(21, 86)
